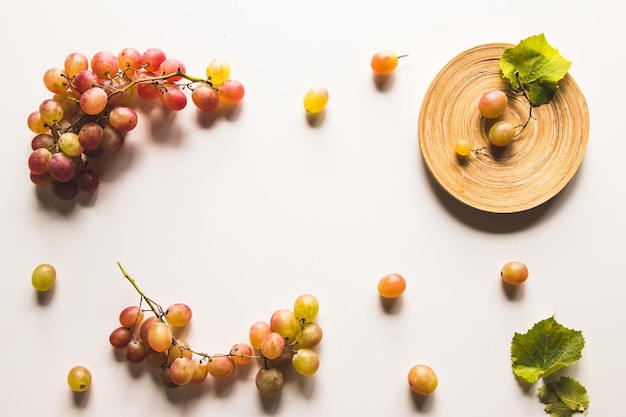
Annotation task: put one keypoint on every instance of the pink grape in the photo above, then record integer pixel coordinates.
(222, 367)
(87, 180)
(174, 98)
(152, 58)
(160, 336)
(84, 80)
(200, 371)
(123, 118)
(241, 353)
(39, 161)
(93, 101)
(148, 90)
(170, 66)
(105, 64)
(231, 91)
(145, 328)
(205, 97)
(272, 346)
(64, 190)
(131, 316)
(69, 103)
(258, 331)
(61, 167)
(90, 135)
(136, 351)
(40, 179)
(74, 63)
(120, 337)
(42, 140)
(493, 103)
(181, 371)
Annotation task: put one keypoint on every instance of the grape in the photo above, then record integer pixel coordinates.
(422, 379)
(79, 378)
(178, 315)
(306, 307)
(282, 360)
(90, 135)
(151, 59)
(231, 91)
(36, 123)
(305, 361)
(43, 277)
(64, 190)
(462, 147)
(105, 64)
(257, 333)
(160, 336)
(93, 101)
(84, 80)
(181, 371)
(180, 349)
(112, 139)
(384, 62)
(123, 118)
(218, 71)
(131, 316)
(40, 180)
(55, 80)
(269, 381)
(315, 99)
(200, 371)
(155, 359)
(514, 273)
(170, 66)
(129, 58)
(272, 346)
(285, 323)
(148, 90)
(501, 133)
(205, 97)
(493, 103)
(391, 285)
(136, 351)
(87, 180)
(42, 140)
(222, 367)
(145, 328)
(174, 98)
(241, 353)
(62, 167)
(39, 161)
(70, 144)
(69, 102)
(120, 337)
(51, 111)
(310, 335)
(166, 377)
(74, 63)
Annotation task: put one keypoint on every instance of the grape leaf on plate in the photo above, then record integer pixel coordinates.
(545, 348)
(564, 397)
(535, 67)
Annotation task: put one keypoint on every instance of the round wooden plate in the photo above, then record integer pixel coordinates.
(529, 171)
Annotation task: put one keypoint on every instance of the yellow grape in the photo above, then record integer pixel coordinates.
(462, 147)
(218, 71)
(422, 379)
(285, 323)
(305, 361)
(79, 378)
(514, 273)
(306, 307)
(43, 277)
(384, 62)
(391, 285)
(315, 99)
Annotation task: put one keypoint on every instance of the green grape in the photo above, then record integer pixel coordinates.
(306, 307)
(43, 277)
(493, 103)
(79, 378)
(315, 99)
(514, 273)
(305, 361)
(422, 379)
(501, 133)
(310, 335)
(70, 144)
(462, 147)
(391, 285)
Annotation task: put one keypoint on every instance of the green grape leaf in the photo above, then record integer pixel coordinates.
(545, 348)
(564, 397)
(535, 67)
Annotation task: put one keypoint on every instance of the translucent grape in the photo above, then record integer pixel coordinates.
(70, 145)
(178, 315)
(79, 378)
(123, 118)
(180, 349)
(493, 104)
(315, 100)
(129, 58)
(160, 336)
(40, 179)
(105, 64)
(39, 161)
(90, 135)
(231, 91)
(174, 98)
(514, 273)
(64, 190)
(74, 63)
(422, 379)
(120, 337)
(43, 277)
(55, 80)
(151, 59)
(257, 333)
(269, 381)
(391, 285)
(241, 353)
(131, 316)
(205, 97)
(148, 90)
(51, 111)
(135, 351)
(462, 147)
(306, 307)
(384, 62)
(84, 80)
(501, 133)
(93, 101)
(170, 66)
(222, 367)
(285, 323)
(62, 167)
(200, 371)
(305, 361)
(181, 371)
(272, 345)
(218, 71)
(36, 123)
(310, 335)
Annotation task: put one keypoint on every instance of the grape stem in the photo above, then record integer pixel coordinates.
(523, 92)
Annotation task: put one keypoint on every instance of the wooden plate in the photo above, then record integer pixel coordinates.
(532, 169)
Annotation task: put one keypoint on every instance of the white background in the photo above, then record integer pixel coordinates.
(236, 214)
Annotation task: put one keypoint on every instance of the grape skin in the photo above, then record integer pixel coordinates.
(79, 378)
(178, 315)
(384, 62)
(272, 346)
(222, 367)
(285, 323)
(493, 104)
(43, 277)
(306, 361)
(269, 381)
(501, 133)
(462, 147)
(315, 100)
(391, 285)
(514, 273)
(306, 307)
(258, 331)
(422, 379)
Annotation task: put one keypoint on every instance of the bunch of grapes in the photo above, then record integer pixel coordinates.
(288, 338)
(90, 111)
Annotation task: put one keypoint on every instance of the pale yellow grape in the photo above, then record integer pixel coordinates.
(306, 307)
(160, 336)
(43, 277)
(79, 378)
(269, 381)
(180, 349)
(422, 379)
(310, 335)
(36, 123)
(462, 147)
(316, 99)
(70, 145)
(305, 361)
(285, 323)
(51, 111)
(218, 71)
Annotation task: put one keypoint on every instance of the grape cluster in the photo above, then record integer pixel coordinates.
(91, 109)
(288, 338)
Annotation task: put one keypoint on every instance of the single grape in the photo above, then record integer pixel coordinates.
(422, 379)
(42, 140)
(37, 124)
(84, 80)
(145, 328)
(129, 59)
(205, 97)
(55, 80)
(272, 346)
(222, 367)
(51, 111)
(180, 349)
(315, 100)
(269, 381)
(391, 285)
(120, 337)
(174, 98)
(181, 371)
(69, 102)
(462, 147)
(493, 104)
(105, 64)
(241, 353)
(218, 71)
(501, 133)
(148, 90)
(200, 371)
(160, 336)
(231, 91)
(155, 359)
(136, 351)
(87, 180)
(112, 139)
(178, 315)
(62, 167)
(131, 316)
(93, 101)
(305, 361)
(384, 62)
(285, 323)
(170, 66)
(514, 273)
(69, 144)
(74, 63)
(43, 277)
(79, 378)
(306, 307)
(40, 180)
(257, 333)
(310, 335)
(123, 118)
(64, 190)
(151, 59)
(39, 161)
(90, 135)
